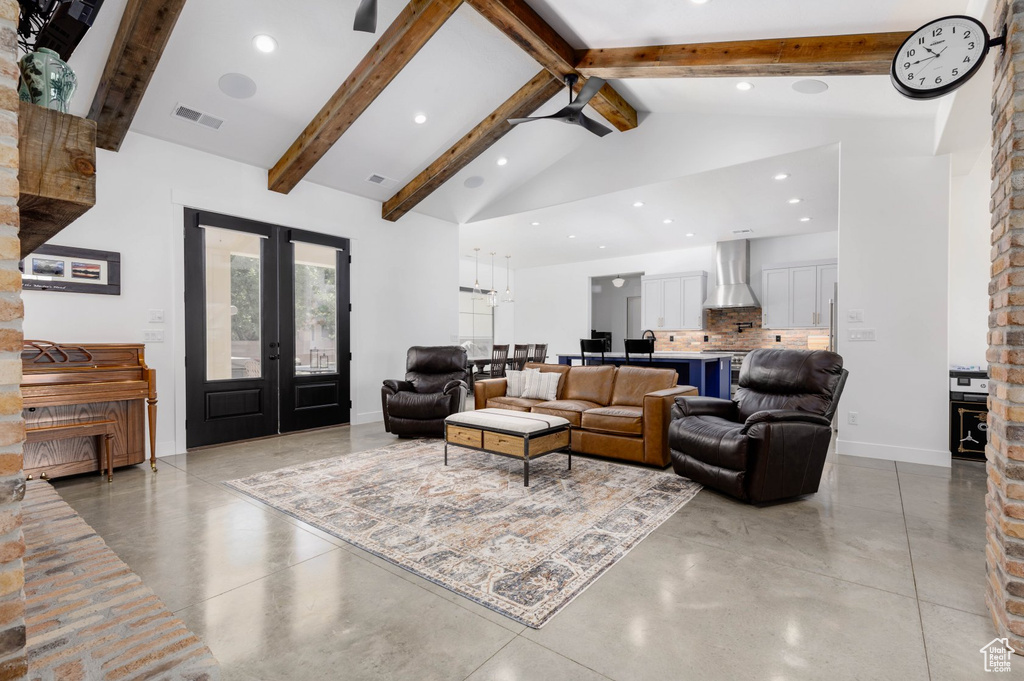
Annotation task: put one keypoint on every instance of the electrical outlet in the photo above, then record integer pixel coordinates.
(156, 316)
(153, 336)
(855, 316)
(778, 339)
(706, 338)
(671, 338)
(862, 334)
(852, 417)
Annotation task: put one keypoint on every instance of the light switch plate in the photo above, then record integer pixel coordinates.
(153, 335)
(862, 334)
(855, 315)
(156, 316)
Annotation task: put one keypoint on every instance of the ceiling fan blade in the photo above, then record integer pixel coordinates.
(517, 121)
(366, 17)
(586, 94)
(593, 126)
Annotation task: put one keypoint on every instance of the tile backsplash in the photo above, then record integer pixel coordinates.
(723, 334)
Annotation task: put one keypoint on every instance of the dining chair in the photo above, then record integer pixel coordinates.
(520, 355)
(639, 346)
(540, 353)
(593, 346)
(499, 358)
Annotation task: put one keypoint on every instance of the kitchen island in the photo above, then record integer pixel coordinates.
(709, 372)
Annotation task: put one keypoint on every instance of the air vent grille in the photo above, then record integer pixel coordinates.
(381, 180)
(742, 231)
(198, 117)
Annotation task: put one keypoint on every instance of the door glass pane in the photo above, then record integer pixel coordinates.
(316, 310)
(233, 320)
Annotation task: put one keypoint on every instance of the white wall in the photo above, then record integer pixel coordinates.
(970, 263)
(555, 301)
(608, 307)
(893, 265)
(404, 275)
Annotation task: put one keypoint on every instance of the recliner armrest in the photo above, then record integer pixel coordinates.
(452, 386)
(706, 406)
(397, 386)
(770, 416)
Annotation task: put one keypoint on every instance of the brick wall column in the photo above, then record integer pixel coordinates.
(13, 663)
(1005, 453)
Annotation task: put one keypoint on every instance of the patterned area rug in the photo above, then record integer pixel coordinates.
(472, 526)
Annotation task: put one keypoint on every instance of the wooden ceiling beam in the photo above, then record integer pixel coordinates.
(528, 99)
(415, 25)
(536, 37)
(837, 55)
(138, 45)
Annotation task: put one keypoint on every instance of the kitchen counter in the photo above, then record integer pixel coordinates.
(709, 372)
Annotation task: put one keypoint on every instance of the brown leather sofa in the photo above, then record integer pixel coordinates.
(615, 412)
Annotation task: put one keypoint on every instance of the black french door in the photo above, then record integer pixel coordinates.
(266, 329)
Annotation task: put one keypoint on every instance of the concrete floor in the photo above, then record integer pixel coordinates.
(878, 576)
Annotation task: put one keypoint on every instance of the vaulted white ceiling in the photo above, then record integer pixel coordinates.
(469, 68)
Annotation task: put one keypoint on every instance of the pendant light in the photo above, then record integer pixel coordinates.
(492, 295)
(507, 298)
(618, 281)
(478, 294)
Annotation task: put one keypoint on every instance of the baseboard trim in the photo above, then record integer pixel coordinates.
(368, 417)
(871, 450)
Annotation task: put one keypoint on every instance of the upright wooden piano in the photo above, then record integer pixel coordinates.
(67, 386)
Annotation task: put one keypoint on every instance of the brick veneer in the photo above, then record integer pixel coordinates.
(720, 328)
(1005, 453)
(12, 429)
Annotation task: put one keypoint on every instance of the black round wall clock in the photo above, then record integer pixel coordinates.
(940, 56)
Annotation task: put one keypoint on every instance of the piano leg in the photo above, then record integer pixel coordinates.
(108, 439)
(151, 405)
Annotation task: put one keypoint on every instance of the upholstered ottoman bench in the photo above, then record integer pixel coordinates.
(517, 434)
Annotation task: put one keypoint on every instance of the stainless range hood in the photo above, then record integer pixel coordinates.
(732, 266)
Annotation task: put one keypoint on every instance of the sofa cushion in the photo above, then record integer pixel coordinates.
(632, 383)
(513, 403)
(590, 384)
(561, 369)
(572, 410)
(622, 420)
(715, 441)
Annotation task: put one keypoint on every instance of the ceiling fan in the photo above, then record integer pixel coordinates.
(573, 112)
(366, 17)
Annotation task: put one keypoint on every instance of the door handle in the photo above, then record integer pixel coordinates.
(272, 357)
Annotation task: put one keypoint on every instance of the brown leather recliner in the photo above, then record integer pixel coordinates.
(434, 387)
(770, 442)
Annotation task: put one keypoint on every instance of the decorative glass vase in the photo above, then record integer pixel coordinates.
(47, 80)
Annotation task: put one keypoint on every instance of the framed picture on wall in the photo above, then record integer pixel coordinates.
(72, 270)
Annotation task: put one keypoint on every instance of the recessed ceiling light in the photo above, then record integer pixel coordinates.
(805, 219)
(689, 234)
(572, 236)
(781, 176)
(667, 221)
(502, 161)
(535, 224)
(600, 246)
(264, 43)
(795, 200)
(419, 119)
(699, 2)
(744, 86)
(638, 204)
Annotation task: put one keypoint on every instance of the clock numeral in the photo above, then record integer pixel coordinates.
(967, 60)
(956, 72)
(937, 32)
(922, 81)
(938, 80)
(970, 46)
(967, 34)
(920, 41)
(911, 53)
(907, 65)
(910, 77)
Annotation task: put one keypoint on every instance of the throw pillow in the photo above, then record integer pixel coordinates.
(516, 381)
(542, 385)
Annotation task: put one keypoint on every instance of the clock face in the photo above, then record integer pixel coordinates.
(939, 57)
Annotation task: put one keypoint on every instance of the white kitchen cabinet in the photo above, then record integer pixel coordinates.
(673, 302)
(797, 296)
